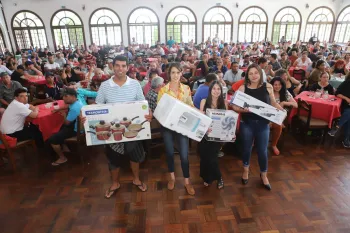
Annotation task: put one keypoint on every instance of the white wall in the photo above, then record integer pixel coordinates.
(46, 8)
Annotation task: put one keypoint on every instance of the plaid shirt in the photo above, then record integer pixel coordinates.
(152, 97)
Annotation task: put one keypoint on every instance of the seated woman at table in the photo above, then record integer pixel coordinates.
(208, 150)
(69, 128)
(343, 92)
(315, 75)
(292, 85)
(323, 84)
(14, 117)
(303, 61)
(339, 68)
(254, 128)
(286, 101)
(69, 75)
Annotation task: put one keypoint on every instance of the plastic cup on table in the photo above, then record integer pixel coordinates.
(48, 105)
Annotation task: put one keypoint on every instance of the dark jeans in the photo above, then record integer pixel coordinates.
(256, 131)
(345, 122)
(169, 136)
(209, 164)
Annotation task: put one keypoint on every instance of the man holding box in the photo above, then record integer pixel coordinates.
(121, 88)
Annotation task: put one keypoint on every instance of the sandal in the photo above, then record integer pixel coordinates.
(143, 187)
(57, 164)
(111, 192)
(220, 184)
(206, 184)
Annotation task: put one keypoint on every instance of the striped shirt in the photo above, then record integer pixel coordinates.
(109, 92)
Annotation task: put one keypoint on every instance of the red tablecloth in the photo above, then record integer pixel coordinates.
(39, 80)
(198, 72)
(150, 59)
(49, 123)
(321, 109)
(143, 74)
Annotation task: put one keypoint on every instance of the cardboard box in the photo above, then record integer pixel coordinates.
(258, 107)
(223, 126)
(113, 123)
(182, 118)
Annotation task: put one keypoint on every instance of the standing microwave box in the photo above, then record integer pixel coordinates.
(118, 122)
(223, 126)
(258, 107)
(182, 118)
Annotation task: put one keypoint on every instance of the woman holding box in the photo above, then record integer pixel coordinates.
(183, 93)
(208, 151)
(254, 128)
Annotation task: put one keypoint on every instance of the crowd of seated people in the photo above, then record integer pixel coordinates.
(84, 70)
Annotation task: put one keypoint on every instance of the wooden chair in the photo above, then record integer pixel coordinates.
(299, 74)
(156, 134)
(307, 123)
(78, 139)
(10, 150)
(285, 130)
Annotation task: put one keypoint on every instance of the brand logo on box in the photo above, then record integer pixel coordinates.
(97, 112)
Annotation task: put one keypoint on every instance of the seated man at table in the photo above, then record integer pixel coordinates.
(51, 65)
(233, 75)
(97, 79)
(13, 119)
(31, 70)
(7, 89)
(18, 75)
(69, 128)
(52, 88)
(139, 65)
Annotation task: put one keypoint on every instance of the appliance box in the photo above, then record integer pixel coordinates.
(258, 107)
(113, 123)
(223, 125)
(182, 118)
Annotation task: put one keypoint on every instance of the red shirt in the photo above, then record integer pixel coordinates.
(103, 78)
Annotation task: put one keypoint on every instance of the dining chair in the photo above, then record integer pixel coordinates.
(78, 139)
(308, 123)
(156, 135)
(285, 129)
(299, 74)
(9, 149)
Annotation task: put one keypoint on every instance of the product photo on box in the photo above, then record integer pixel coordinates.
(113, 123)
(182, 118)
(223, 126)
(258, 107)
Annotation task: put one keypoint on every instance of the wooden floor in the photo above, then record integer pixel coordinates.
(310, 193)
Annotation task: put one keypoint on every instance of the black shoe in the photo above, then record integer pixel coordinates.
(266, 186)
(333, 131)
(346, 143)
(245, 181)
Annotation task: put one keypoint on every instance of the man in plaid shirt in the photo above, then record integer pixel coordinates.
(156, 84)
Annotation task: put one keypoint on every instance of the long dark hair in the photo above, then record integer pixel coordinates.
(209, 101)
(247, 81)
(283, 91)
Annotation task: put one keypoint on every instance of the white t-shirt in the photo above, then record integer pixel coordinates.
(14, 117)
(301, 63)
(52, 66)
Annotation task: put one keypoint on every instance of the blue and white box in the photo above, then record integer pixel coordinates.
(223, 126)
(113, 123)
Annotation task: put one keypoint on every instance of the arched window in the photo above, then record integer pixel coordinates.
(218, 21)
(286, 23)
(342, 32)
(67, 29)
(252, 25)
(319, 23)
(2, 42)
(105, 27)
(143, 25)
(28, 30)
(181, 25)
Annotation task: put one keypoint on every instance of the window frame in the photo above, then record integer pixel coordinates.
(266, 23)
(138, 24)
(105, 25)
(28, 29)
(181, 24)
(221, 23)
(279, 22)
(340, 23)
(318, 23)
(69, 27)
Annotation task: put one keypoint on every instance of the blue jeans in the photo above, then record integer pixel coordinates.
(169, 136)
(345, 122)
(256, 131)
